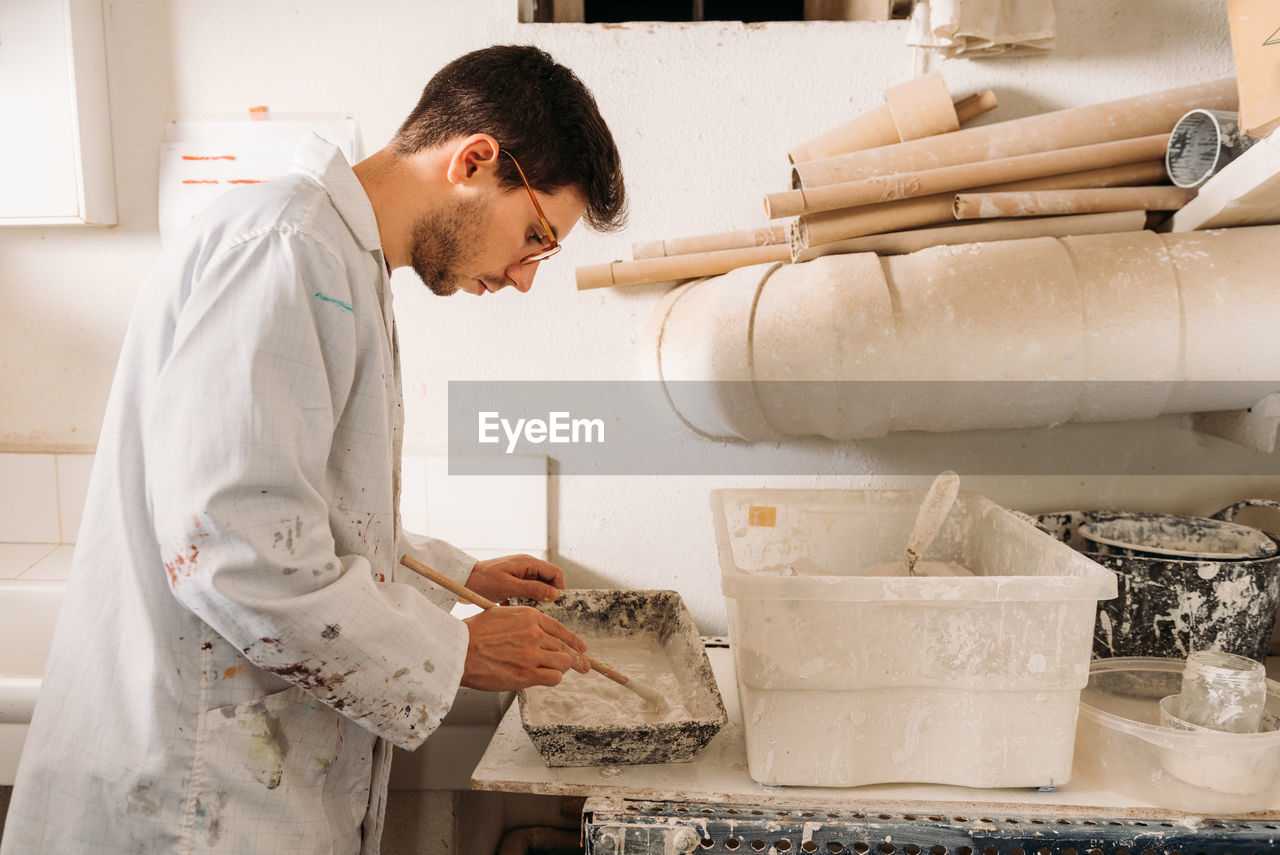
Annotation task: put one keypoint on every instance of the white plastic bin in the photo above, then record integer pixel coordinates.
(848, 679)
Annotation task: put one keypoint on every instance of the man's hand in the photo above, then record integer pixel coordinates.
(516, 576)
(516, 647)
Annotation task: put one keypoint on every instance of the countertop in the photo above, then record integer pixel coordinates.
(719, 776)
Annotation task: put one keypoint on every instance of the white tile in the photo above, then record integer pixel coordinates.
(55, 565)
(73, 486)
(28, 499)
(17, 558)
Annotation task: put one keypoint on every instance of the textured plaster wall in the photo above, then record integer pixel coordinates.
(703, 115)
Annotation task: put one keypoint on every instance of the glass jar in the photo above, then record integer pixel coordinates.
(1224, 692)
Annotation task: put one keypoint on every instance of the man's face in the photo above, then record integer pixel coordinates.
(477, 245)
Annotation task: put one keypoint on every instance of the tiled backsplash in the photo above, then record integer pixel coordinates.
(42, 499)
(42, 496)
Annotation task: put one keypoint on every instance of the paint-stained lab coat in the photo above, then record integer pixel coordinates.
(239, 645)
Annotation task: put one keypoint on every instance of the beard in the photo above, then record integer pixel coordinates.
(437, 241)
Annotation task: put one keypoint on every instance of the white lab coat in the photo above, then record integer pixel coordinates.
(239, 643)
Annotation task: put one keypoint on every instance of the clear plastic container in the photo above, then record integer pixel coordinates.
(848, 679)
(1127, 744)
(1223, 691)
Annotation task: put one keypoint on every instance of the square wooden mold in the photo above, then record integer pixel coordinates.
(612, 614)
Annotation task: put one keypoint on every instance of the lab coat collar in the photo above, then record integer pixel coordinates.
(325, 162)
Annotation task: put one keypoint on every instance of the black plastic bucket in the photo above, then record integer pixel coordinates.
(1171, 606)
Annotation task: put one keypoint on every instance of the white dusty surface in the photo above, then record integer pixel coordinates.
(719, 775)
(595, 699)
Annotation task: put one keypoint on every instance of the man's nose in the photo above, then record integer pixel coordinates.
(522, 275)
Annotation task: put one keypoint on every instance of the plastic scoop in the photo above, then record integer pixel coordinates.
(933, 510)
(463, 592)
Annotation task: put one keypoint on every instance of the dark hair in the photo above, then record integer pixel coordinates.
(535, 108)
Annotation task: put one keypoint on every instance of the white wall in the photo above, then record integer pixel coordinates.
(703, 115)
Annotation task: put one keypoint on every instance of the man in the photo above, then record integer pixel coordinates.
(239, 645)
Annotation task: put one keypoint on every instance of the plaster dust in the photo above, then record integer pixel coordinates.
(921, 568)
(590, 699)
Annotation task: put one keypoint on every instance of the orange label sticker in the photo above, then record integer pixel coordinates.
(762, 515)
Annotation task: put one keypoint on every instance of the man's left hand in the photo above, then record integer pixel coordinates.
(516, 576)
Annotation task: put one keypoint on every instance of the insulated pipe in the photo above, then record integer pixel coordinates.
(1135, 306)
(1141, 116)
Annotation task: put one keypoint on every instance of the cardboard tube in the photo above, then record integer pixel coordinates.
(973, 206)
(922, 107)
(1144, 115)
(916, 108)
(677, 266)
(975, 105)
(887, 188)
(762, 236)
(814, 229)
(900, 243)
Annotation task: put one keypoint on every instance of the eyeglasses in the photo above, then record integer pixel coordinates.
(548, 249)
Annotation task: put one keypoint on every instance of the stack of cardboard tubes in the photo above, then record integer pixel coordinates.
(906, 176)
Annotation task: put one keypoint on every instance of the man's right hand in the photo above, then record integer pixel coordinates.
(514, 647)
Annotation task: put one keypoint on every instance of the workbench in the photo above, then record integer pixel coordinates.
(712, 805)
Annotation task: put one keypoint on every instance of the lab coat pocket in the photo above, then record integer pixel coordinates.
(286, 762)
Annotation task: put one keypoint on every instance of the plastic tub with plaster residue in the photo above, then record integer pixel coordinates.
(847, 678)
(1123, 745)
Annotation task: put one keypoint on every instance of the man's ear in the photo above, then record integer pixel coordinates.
(473, 158)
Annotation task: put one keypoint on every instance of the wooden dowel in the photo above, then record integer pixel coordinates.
(814, 229)
(887, 188)
(462, 592)
(900, 243)
(743, 239)
(1141, 116)
(677, 266)
(1038, 203)
(975, 105)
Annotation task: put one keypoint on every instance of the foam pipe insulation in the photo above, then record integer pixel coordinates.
(1134, 306)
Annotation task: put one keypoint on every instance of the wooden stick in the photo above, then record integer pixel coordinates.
(975, 105)
(677, 266)
(744, 239)
(900, 243)
(814, 229)
(973, 206)
(887, 188)
(462, 592)
(1141, 116)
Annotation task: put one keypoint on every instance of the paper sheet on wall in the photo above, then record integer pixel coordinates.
(203, 158)
(1255, 42)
